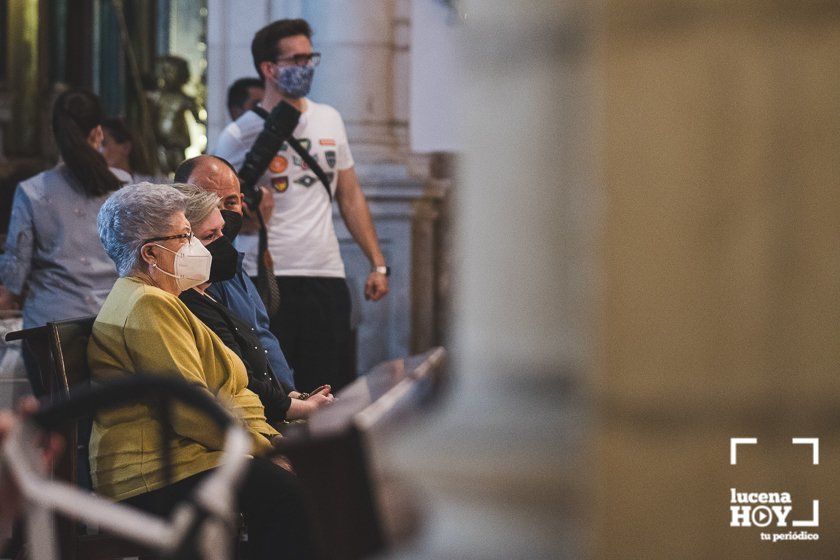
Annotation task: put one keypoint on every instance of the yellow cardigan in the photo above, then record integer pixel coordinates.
(143, 329)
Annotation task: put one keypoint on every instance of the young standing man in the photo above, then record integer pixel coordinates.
(313, 322)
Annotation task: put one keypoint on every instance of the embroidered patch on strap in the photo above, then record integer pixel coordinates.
(280, 183)
(278, 164)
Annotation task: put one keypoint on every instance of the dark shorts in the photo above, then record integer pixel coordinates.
(313, 327)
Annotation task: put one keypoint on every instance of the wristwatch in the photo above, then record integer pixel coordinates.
(386, 270)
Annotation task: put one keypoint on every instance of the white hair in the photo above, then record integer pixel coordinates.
(132, 215)
(199, 202)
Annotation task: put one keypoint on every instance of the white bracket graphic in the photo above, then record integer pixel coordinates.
(733, 447)
(815, 516)
(815, 444)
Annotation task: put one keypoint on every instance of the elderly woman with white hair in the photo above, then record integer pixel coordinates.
(143, 328)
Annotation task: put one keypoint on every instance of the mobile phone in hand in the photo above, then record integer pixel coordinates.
(318, 390)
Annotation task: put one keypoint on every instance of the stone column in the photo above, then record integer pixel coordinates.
(425, 270)
(230, 29)
(432, 256)
(364, 70)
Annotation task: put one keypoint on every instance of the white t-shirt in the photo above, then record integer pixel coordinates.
(301, 238)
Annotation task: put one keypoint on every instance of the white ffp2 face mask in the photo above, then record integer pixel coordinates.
(192, 264)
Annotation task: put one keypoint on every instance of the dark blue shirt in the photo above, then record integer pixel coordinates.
(240, 296)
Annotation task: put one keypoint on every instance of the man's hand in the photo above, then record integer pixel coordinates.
(302, 409)
(318, 400)
(356, 214)
(376, 286)
(250, 224)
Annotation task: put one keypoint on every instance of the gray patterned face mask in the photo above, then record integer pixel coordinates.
(295, 81)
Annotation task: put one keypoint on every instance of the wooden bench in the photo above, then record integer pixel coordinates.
(331, 453)
(60, 351)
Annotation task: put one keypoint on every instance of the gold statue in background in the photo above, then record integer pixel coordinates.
(169, 106)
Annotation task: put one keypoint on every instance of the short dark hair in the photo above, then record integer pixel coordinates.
(237, 93)
(185, 169)
(264, 45)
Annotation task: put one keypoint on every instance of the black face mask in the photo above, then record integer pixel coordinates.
(225, 259)
(233, 223)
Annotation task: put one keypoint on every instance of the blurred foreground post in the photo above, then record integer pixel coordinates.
(503, 463)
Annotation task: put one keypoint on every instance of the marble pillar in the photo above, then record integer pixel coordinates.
(230, 28)
(362, 73)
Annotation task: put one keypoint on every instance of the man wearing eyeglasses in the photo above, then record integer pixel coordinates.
(313, 322)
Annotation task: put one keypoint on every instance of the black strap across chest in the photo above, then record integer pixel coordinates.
(304, 155)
